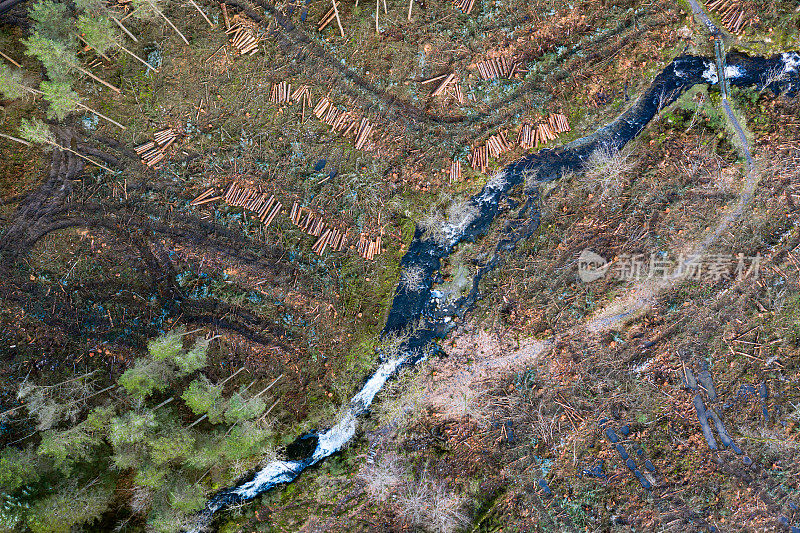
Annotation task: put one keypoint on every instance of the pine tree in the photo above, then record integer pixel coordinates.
(51, 20)
(61, 98)
(145, 377)
(58, 61)
(98, 32)
(201, 395)
(194, 359)
(167, 346)
(11, 84)
(91, 6)
(37, 132)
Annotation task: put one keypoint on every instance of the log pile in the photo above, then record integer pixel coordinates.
(281, 93)
(302, 94)
(206, 197)
(542, 132)
(368, 247)
(558, 122)
(153, 152)
(330, 237)
(464, 5)
(479, 158)
(455, 171)
(497, 144)
(329, 16)
(265, 207)
(364, 131)
(242, 36)
(344, 122)
(732, 14)
(500, 67)
(313, 224)
(448, 85)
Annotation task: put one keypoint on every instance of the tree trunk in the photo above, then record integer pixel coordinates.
(92, 161)
(132, 36)
(168, 21)
(26, 143)
(142, 61)
(202, 13)
(84, 71)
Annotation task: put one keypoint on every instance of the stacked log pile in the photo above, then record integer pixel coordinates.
(281, 93)
(455, 171)
(368, 247)
(302, 94)
(153, 152)
(464, 5)
(344, 121)
(479, 158)
(312, 223)
(497, 144)
(500, 67)
(265, 207)
(243, 36)
(448, 85)
(732, 14)
(542, 132)
(330, 237)
(206, 197)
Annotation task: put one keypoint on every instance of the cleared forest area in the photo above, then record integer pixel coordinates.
(204, 207)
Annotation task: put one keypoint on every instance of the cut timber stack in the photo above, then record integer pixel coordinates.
(532, 135)
(312, 223)
(330, 237)
(731, 13)
(242, 37)
(448, 84)
(153, 152)
(500, 67)
(448, 79)
(344, 121)
(266, 207)
(479, 158)
(455, 171)
(364, 131)
(497, 144)
(281, 93)
(464, 5)
(206, 197)
(368, 247)
(527, 135)
(302, 94)
(558, 122)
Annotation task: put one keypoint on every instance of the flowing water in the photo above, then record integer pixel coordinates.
(420, 316)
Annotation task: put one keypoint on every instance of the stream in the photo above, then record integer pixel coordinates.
(421, 316)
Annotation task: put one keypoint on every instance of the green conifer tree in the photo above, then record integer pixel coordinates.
(61, 98)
